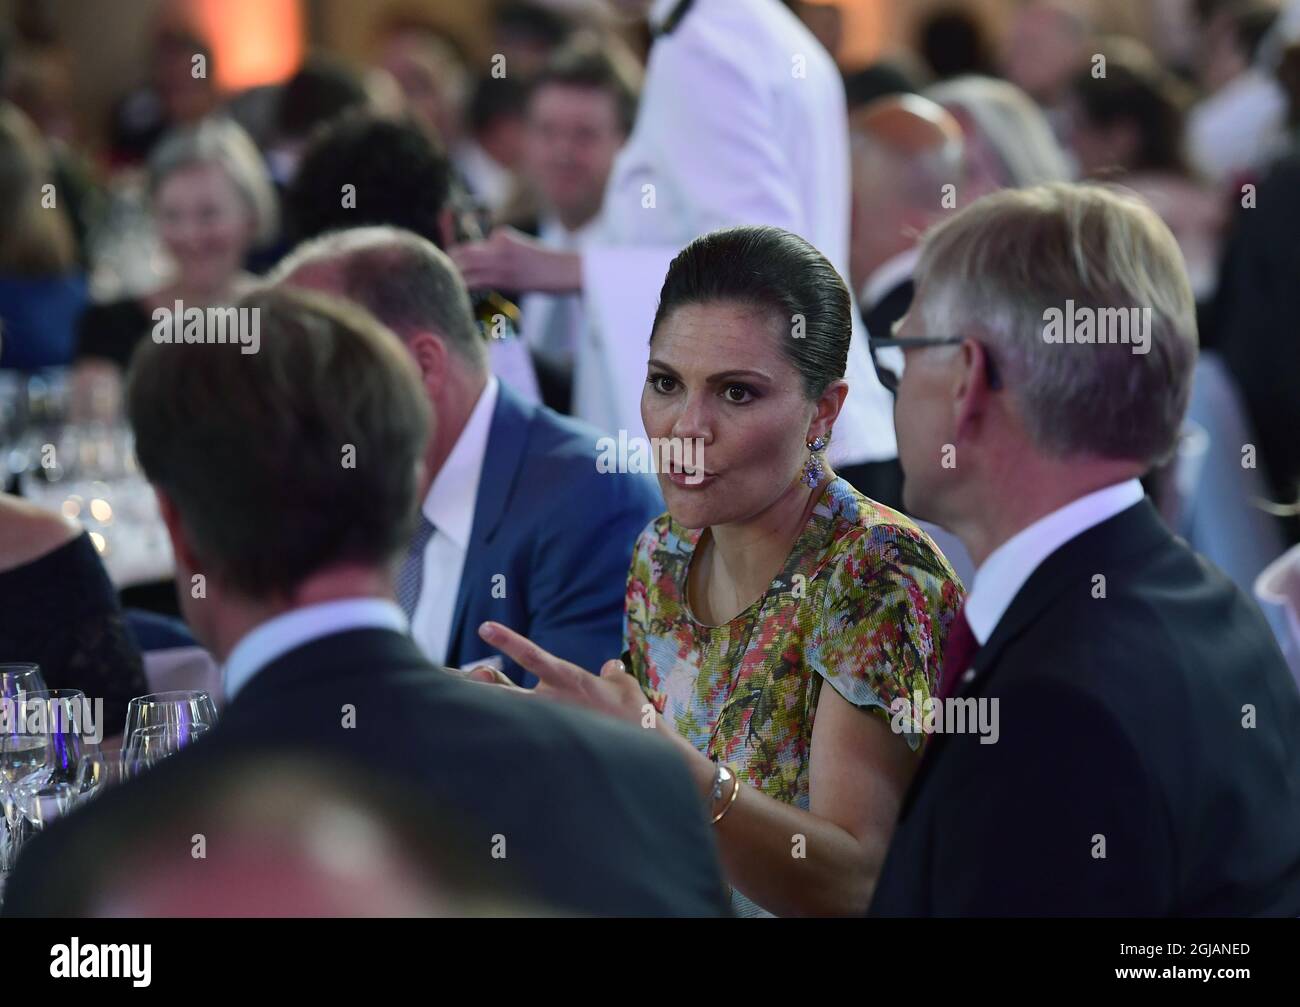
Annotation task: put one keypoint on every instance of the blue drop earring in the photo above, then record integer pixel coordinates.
(813, 469)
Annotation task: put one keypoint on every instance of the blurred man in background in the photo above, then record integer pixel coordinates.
(580, 112)
(1047, 43)
(908, 167)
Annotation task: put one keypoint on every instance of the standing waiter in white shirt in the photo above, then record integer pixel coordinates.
(742, 121)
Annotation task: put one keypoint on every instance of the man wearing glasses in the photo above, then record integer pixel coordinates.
(1139, 692)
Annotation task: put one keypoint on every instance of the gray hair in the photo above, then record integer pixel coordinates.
(1011, 124)
(402, 279)
(225, 143)
(1013, 258)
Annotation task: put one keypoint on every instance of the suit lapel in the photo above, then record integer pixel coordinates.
(506, 446)
(1122, 539)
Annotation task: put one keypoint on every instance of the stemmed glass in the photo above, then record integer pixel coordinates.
(40, 758)
(17, 747)
(160, 724)
(24, 758)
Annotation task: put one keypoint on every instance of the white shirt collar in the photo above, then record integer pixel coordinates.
(888, 275)
(283, 633)
(1005, 571)
(449, 504)
(551, 231)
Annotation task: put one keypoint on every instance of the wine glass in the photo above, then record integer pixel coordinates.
(148, 746)
(17, 679)
(58, 716)
(187, 712)
(17, 748)
(23, 761)
(161, 724)
(46, 802)
(97, 771)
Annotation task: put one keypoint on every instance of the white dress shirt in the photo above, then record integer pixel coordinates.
(539, 310)
(1238, 128)
(1011, 564)
(276, 637)
(742, 121)
(449, 506)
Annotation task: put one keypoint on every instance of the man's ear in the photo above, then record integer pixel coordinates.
(971, 390)
(182, 548)
(432, 357)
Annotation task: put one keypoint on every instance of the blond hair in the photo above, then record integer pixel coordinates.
(35, 239)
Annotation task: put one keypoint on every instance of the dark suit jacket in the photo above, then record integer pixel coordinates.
(559, 531)
(1253, 321)
(882, 315)
(1121, 722)
(597, 817)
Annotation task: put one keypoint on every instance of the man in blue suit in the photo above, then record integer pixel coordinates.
(518, 524)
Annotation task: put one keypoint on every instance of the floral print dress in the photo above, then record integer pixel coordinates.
(863, 602)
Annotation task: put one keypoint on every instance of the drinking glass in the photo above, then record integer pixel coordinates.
(187, 713)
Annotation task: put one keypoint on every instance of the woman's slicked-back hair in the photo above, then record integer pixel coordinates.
(767, 267)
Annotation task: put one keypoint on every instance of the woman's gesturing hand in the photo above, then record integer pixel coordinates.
(614, 693)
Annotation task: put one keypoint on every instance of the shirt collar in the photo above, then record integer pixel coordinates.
(1002, 575)
(449, 505)
(552, 231)
(277, 636)
(888, 275)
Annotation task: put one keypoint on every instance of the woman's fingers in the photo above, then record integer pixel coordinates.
(550, 670)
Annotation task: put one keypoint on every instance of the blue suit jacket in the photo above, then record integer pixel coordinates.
(558, 531)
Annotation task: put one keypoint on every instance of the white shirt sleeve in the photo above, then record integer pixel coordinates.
(709, 151)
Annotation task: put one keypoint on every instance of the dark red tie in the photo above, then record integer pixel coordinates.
(958, 652)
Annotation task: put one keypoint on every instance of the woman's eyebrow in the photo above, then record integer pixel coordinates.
(726, 375)
(712, 378)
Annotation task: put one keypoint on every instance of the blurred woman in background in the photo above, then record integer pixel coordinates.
(212, 201)
(42, 290)
(61, 611)
(1009, 142)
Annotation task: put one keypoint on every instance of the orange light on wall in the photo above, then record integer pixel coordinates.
(253, 41)
(866, 31)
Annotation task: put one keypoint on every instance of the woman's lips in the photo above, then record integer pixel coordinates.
(690, 480)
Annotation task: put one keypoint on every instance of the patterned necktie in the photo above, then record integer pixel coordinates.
(959, 651)
(411, 577)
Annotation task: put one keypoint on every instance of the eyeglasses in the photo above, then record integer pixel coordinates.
(890, 366)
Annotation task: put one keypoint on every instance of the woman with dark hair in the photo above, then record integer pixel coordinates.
(768, 579)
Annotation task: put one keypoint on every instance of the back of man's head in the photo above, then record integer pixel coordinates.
(363, 170)
(286, 461)
(915, 141)
(402, 279)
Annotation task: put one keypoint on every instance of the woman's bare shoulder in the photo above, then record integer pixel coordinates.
(28, 532)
